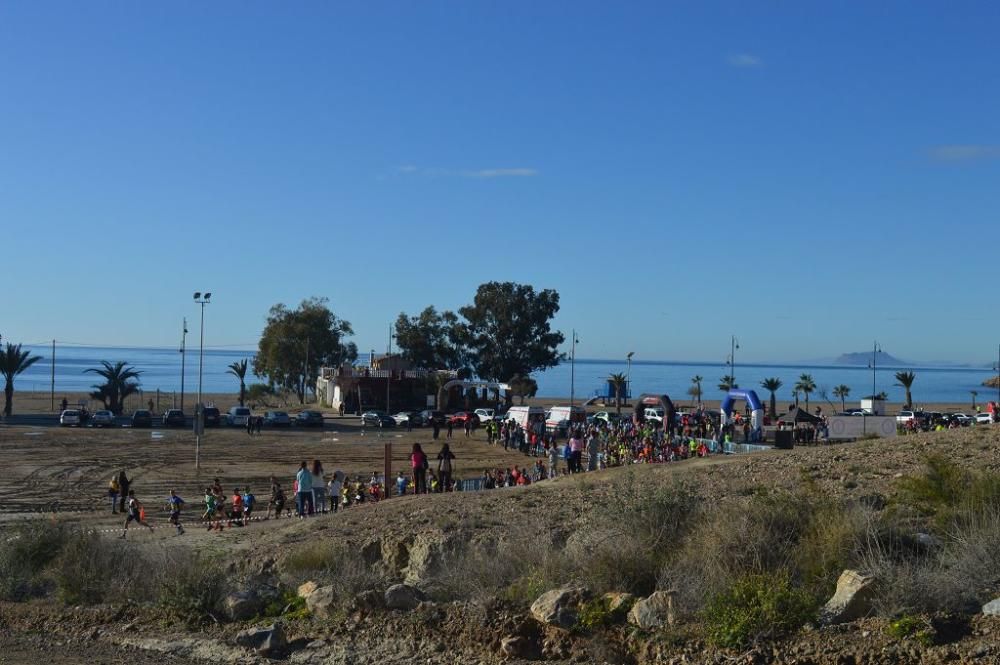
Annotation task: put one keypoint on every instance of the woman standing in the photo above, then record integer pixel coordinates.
(418, 464)
(444, 468)
(318, 487)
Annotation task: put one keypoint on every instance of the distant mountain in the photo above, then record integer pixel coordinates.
(882, 359)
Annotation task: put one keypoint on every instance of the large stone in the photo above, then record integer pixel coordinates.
(852, 600)
(265, 641)
(992, 608)
(403, 597)
(369, 600)
(654, 611)
(306, 589)
(513, 646)
(322, 602)
(558, 607)
(242, 605)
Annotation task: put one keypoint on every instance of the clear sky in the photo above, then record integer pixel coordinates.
(807, 176)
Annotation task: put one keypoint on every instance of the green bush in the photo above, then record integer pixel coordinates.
(597, 613)
(92, 569)
(192, 587)
(757, 607)
(918, 628)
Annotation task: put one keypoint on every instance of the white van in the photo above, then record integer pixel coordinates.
(523, 415)
(562, 418)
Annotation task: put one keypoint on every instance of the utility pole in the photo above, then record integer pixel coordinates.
(388, 376)
(53, 390)
(734, 344)
(184, 331)
(628, 374)
(305, 373)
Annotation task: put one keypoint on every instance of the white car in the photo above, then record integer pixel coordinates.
(963, 419)
(238, 416)
(984, 418)
(485, 414)
(69, 417)
(102, 419)
(654, 413)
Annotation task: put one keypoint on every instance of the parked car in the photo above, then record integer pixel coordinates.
(377, 419)
(102, 419)
(430, 417)
(174, 418)
(309, 419)
(413, 417)
(610, 417)
(917, 417)
(654, 413)
(277, 419)
(486, 414)
(984, 418)
(70, 418)
(238, 416)
(142, 418)
(962, 419)
(458, 418)
(212, 416)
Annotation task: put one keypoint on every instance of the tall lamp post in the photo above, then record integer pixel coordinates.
(199, 416)
(875, 351)
(628, 374)
(998, 376)
(733, 345)
(572, 369)
(184, 332)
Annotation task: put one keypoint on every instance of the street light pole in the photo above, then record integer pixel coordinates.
(628, 373)
(388, 376)
(184, 331)
(199, 418)
(572, 370)
(733, 345)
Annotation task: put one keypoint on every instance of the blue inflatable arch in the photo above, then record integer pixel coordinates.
(750, 397)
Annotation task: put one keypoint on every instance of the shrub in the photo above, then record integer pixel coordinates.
(757, 607)
(911, 626)
(192, 587)
(92, 569)
(597, 613)
(25, 552)
(334, 564)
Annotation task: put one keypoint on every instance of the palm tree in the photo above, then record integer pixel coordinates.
(905, 380)
(239, 370)
(795, 394)
(695, 389)
(975, 394)
(773, 384)
(13, 361)
(117, 386)
(842, 392)
(727, 382)
(618, 382)
(805, 385)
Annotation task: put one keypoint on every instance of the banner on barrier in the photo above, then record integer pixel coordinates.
(857, 427)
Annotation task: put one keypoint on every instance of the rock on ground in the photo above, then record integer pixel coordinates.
(321, 602)
(306, 589)
(558, 607)
(652, 612)
(852, 600)
(242, 605)
(992, 608)
(265, 641)
(403, 597)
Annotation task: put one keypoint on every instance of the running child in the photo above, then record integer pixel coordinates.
(176, 503)
(134, 513)
(249, 501)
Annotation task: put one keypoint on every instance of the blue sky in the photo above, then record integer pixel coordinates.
(807, 176)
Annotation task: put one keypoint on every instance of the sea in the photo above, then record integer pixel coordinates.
(161, 370)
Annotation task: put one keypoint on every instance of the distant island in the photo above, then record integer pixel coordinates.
(992, 382)
(882, 359)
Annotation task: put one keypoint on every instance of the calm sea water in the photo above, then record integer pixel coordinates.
(161, 369)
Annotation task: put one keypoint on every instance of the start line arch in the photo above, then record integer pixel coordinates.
(750, 397)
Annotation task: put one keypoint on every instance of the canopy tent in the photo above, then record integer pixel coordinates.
(797, 415)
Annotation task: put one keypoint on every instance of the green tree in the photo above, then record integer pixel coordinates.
(905, 381)
(507, 330)
(618, 382)
(805, 385)
(842, 392)
(239, 370)
(259, 393)
(772, 384)
(727, 382)
(296, 343)
(428, 340)
(120, 382)
(13, 361)
(695, 389)
(522, 386)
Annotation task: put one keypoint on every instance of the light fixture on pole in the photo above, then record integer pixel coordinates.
(876, 349)
(572, 368)
(628, 374)
(199, 416)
